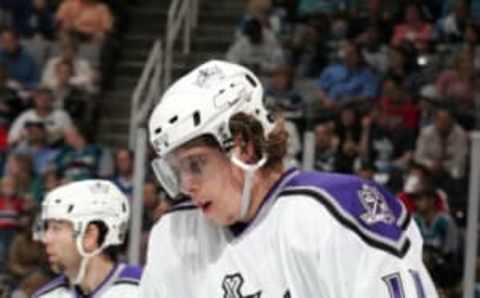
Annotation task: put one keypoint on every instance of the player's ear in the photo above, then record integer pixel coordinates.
(244, 150)
(90, 240)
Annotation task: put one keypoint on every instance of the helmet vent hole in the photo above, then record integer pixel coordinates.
(70, 208)
(158, 130)
(232, 85)
(257, 111)
(221, 91)
(124, 208)
(58, 201)
(251, 80)
(173, 119)
(196, 118)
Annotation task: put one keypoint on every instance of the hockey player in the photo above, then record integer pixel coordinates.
(254, 229)
(83, 223)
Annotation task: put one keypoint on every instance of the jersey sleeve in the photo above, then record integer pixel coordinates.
(325, 256)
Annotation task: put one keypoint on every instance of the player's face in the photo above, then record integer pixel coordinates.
(60, 246)
(211, 180)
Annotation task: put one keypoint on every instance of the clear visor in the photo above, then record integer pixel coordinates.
(178, 173)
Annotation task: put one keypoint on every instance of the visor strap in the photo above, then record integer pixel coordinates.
(248, 184)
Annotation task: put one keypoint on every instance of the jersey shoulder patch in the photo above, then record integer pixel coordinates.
(59, 282)
(129, 275)
(361, 206)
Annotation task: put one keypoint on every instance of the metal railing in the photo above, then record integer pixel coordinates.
(146, 91)
(181, 12)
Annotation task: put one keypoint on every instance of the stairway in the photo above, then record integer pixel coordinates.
(210, 40)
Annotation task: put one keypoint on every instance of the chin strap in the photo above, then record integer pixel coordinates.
(249, 170)
(85, 258)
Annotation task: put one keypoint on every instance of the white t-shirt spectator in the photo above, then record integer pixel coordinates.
(56, 122)
(83, 74)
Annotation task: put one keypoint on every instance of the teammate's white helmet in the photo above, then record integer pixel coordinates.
(202, 103)
(86, 201)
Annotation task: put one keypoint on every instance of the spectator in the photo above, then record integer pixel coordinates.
(28, 185)
(452, 26)
(34, 21)
(417, 180)
(402, 65)
(472, 39)
(257, 49)
(20, 65)
(11, 206)
(35, 145)
(414, 31)
(25, 255)
(458, 84)
(55, 120)
(68, 71)
(78, 159)
(374, 51)
(325, 148)
(348, 130)
(91, 19)
(440, 240)
(350, 81)
(283, 93)
(123, 176)
(442, 147)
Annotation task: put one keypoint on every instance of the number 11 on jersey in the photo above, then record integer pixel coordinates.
(395, 285)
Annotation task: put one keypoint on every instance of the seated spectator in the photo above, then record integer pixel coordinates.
(396, 106)
(123, 175)
(91, 19)
(472, 42)
(67, 71)
(415, 30)
(451, 27)
(11, 206)
(402, 65)
(442, 147)
(55, 120)
(348, 129)
(257, 49)
(282, 92)
(325, 148)
(20, 65)
(35, 145)
(34, 21)
(458, 84)
(25, 255)
(78, 159)
(417, 180)
(440, 240)
(28, 185)
(347, 82)
(374, 51)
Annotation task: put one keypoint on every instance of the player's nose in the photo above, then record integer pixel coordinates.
(189, 185)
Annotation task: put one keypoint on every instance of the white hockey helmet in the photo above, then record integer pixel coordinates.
(86, 201)
(202, 103)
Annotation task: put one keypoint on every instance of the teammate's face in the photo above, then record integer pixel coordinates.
(211, 180)
(60, 246)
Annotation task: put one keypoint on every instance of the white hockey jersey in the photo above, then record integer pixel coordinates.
(122, 282)
(316, 235)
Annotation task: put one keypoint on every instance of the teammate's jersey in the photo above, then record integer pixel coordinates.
(315, 235)
(122, 282)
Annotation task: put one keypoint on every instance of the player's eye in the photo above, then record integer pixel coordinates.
(196, 164)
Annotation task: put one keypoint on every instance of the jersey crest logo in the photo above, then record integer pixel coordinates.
(232, 287)
(375, 205)
(206, 75)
